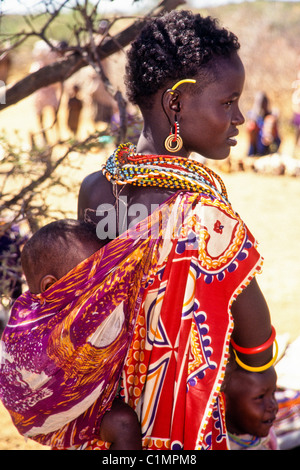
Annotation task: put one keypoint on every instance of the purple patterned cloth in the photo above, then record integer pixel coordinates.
(62, 351)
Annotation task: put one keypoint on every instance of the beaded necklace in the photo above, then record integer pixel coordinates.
(126, 166)
(251, 441)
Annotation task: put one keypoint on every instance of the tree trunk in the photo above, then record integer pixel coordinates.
(62, 69)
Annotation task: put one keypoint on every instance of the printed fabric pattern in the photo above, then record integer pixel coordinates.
(153, 307)
(177, 358)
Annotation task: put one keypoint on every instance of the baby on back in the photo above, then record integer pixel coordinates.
(51, 253)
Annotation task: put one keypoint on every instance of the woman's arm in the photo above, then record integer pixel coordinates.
(252, 324)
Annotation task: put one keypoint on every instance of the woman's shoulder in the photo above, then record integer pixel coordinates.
(97, 183)
(93, 179)
(94, 190)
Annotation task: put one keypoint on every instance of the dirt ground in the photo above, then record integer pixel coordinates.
(269, 206)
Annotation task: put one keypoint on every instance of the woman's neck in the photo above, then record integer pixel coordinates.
(147, 145)
(152, 143)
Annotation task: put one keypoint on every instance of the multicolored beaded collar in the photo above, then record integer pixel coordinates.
(246, 442)
(165, 171)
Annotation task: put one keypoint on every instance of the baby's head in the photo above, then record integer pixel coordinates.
(55, 249)
(251, 405)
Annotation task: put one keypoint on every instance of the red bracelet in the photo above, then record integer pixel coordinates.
(257, 349)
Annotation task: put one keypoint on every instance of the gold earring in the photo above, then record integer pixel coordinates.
(173, 142)
(186, 80)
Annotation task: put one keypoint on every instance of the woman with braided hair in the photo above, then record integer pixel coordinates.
(174, 283)
(185, 74)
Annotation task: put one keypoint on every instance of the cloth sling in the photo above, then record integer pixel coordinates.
(152, 307)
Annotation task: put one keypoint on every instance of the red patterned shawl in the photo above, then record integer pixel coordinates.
(163, 292)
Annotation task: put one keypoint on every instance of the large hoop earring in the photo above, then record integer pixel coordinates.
(173, 142)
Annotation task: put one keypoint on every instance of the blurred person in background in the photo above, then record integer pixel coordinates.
(262, 127)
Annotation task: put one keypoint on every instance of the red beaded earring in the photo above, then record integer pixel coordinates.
(173, 142)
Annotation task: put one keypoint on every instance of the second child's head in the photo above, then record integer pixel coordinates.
(55, 249)
(251, 406)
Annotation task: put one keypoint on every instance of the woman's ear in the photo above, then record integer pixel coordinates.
(47, 282)
(172, 101)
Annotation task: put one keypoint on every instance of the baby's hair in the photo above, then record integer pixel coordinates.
(54, 245)
(175, 46)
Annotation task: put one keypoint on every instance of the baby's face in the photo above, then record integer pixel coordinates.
(251, 406)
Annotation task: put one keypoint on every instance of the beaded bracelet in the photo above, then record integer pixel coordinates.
(259, 368)
(256, 349)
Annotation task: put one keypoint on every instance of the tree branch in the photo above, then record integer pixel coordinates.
(64, 68)
(48, 171)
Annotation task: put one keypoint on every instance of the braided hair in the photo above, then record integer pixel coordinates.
(172, 47)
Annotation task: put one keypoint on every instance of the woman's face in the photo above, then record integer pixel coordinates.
(209, 120)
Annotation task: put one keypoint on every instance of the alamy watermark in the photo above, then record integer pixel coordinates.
(165, 222)
(180, 221)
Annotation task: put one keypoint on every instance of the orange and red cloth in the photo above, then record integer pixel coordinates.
(152, 308)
